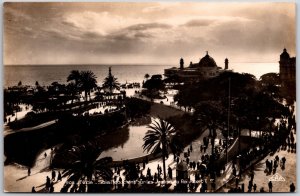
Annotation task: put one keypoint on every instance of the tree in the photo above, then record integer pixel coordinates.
(147, 76)
(210, 115)
(136, 107)
(86, 167)
(84, 80)
(111, 82)
(186, 97)
(270, 83)
(153, 86)
(11, 101)
(160, 136)
(72, 90)
(87, 82)
(74, 76)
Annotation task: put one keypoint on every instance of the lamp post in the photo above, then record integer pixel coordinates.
(239, 132)
(228, 117)
(257, 118)
(227, 138)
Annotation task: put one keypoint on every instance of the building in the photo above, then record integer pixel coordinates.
(287, 69)
(206, 68)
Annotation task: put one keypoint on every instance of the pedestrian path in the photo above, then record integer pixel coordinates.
(19, 115)
(16, 177)
(40, 126)
(261, 178)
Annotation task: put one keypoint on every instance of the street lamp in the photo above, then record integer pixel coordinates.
(239, 132)
(258, 125)
(228, 118)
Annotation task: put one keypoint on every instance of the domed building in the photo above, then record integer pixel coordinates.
(206, 68)
(206, 61)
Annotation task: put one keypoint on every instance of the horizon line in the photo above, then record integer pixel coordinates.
(111, 64)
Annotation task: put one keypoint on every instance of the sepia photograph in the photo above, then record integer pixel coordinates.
(149, 97)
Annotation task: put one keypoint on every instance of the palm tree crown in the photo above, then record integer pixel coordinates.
(111, 82)
(84, 80)
(87, 82)
(85, 166)
(160, 136)
(75, 76)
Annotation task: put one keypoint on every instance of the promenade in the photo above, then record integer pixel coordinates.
(261, 178)
(17, 179)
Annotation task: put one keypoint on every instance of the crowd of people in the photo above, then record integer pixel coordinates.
(206, 167)
(283, 138)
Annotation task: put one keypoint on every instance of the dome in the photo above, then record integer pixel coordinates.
(182, 166)
(207, 61)
(284, 55)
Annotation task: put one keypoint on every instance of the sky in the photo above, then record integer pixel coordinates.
(146, 33)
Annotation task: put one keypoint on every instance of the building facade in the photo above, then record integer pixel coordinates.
(287, 68)
(206, 68)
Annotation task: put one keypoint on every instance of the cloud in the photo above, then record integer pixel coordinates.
(199, 22)
(146, 26)
(100, 32)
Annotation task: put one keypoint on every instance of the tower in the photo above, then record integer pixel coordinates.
(287, 67)
(287, 73)
(283, 65)
(226, 64)
(181, 63)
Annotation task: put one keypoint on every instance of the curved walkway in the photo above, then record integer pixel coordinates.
(43, 125)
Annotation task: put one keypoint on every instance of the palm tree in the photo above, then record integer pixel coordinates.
(160, 136)
(72, 91)
(74, 76)
(85, 167)
(87, 82)
(111, 82)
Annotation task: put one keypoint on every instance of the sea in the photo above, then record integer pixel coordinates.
(46, 74)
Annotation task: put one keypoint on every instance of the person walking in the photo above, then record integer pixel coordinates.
(53, 175)
(234, 171)
(283, 161)
(29, 171)
(51, 189)
(252, 175)
(254, 187)
(292, 187)
(47, 183)
(170, 172)
(270, 186)
(271, 166)
(213, 184)
(59, 178)
(267, 164)
(236, 181)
